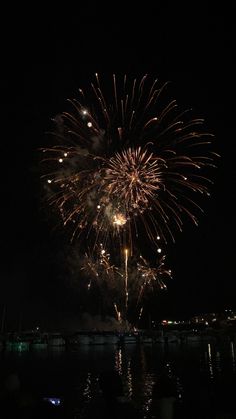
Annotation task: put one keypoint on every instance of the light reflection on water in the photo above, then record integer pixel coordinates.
(209, 361)
(196, 367)
(232, 355)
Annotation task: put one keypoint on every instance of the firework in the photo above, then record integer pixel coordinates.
(124, 288)
(152, 278)
(97, 264)
(107, 277)
(127, 161)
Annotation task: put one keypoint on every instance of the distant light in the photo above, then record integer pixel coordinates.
(84, 112)
(65, 154)
(98, 206)
(60, 160)
(185, 178)
(158, 238)
(89, 124)
(49, 181)
(102, 251)
(159, 250)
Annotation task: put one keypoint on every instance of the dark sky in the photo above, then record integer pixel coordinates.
(45, 58)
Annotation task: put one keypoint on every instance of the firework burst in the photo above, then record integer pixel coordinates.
(125, 163)
(152, 278)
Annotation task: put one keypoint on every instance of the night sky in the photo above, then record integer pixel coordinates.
(45, 58)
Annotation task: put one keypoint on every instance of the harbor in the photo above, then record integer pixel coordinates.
(39, 340)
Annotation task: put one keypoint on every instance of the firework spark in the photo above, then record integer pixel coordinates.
(125, 160)
(126, 279)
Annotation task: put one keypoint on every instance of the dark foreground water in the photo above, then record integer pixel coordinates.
(205, 375)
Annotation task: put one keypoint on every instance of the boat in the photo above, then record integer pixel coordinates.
(56, 340)
(16, 342)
